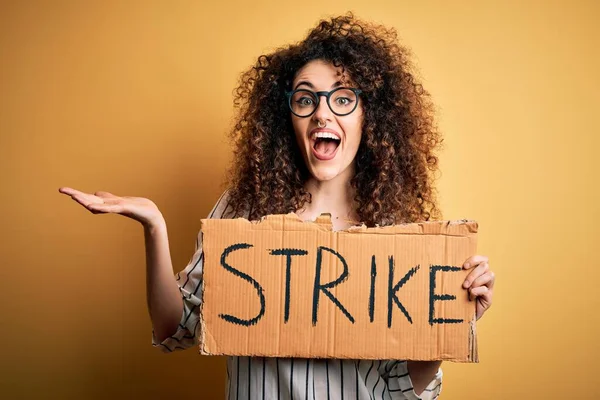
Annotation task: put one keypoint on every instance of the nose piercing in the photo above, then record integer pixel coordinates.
(319, 124)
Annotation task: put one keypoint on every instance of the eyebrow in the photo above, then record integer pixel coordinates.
(310, 85)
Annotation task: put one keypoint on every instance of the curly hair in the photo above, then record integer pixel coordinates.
(396, 161)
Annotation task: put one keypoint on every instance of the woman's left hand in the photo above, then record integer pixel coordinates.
(479, 283)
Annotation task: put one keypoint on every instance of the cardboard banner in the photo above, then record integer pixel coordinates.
(281, 287)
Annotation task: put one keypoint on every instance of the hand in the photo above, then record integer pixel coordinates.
(137, 208)
(479, 283)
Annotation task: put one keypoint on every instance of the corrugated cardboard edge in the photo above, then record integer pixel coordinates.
(203, 331)
(473, 354)
(458, 227)
(444, 227)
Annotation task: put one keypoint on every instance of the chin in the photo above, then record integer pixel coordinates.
(324, 174)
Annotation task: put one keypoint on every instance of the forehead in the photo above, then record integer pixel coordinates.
(320, 73)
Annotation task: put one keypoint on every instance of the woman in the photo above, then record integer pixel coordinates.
(334, 124)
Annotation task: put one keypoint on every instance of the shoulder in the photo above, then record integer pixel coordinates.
(224, 209)
(219, 210)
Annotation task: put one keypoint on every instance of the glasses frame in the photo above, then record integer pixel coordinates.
(318, 95)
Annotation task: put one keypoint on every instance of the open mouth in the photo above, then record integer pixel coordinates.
(325, 145)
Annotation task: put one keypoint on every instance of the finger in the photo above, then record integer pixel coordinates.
(87, 199)
(106, 208)
(484, 298)
(484, 302)
(473, 261)
(105, 194)
(478, 291)
(88, 203)
(96, 209)
(486, 279)
(81, 197)
(476, 273)
(108, 201)
(70, 191)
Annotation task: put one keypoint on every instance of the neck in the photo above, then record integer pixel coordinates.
(335, 197)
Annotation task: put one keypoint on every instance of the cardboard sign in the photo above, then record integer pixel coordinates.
(281, 287)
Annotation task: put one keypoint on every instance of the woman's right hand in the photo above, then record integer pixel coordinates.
(137, 208)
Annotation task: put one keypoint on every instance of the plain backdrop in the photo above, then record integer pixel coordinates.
(135, 97)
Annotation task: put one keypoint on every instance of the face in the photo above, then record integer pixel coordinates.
(329, 151)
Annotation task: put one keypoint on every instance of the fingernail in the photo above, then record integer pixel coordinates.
(466, 284)
(467, 265)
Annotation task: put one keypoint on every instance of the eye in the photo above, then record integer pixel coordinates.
(305, 101)
(343, 101)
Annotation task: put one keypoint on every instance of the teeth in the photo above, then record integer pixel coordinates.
(324, 135)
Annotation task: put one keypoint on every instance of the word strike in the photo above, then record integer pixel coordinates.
(323, 288)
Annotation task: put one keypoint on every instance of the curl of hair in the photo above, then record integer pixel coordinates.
(396, 161)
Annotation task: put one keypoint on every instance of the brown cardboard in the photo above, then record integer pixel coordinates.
(227, 294)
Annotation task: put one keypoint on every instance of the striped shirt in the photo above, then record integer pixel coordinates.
(290, 378)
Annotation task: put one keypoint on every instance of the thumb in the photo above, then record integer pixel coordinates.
(104, 194)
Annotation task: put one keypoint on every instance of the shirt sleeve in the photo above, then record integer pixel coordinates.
(399, 382)
(189, 281)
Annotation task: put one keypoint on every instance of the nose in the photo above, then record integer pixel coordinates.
(323, 112)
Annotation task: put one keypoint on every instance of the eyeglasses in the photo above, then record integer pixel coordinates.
(303, 102)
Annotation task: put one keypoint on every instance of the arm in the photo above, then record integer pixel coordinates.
(422, 373)
(165, 305)
(169, 299)
(416, 380)
(174, 301)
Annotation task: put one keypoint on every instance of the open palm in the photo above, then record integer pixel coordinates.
(137, 208)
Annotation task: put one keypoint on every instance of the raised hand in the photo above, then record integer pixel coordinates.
(138, 208)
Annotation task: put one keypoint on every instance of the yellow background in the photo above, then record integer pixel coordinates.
(135, 98)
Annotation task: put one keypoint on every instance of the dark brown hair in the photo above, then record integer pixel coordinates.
(395, 163)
